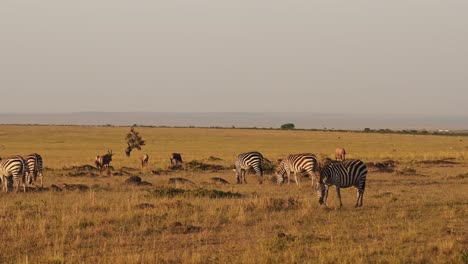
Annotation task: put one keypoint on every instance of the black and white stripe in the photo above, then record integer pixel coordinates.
(34, 161)
(16, 168)
(343, 175)
(297, 163)
(247, 161)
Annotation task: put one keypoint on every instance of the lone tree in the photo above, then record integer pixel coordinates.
(288, 126)
(134, 141)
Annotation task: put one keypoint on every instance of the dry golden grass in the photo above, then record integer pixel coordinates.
(419, 218)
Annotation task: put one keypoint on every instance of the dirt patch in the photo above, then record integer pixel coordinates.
(218, 180)
(176, 167)
(449, 161)
(196, 165)
(180, 181)
(75, 187)
(86, 167)
(406, 171)
(55, 188)
(160, 172)
(200, 192)
(136, 181)
(383, 166)
(179, 228)
(212, 158)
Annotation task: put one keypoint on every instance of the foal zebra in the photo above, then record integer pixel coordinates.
(15, 167)
(343, 175)
(297, 163)
(246, 161)
(34, 162)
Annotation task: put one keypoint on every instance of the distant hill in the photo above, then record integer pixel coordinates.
(259, 120)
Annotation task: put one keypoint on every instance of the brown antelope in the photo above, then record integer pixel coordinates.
(103, 161)
(144, 160)
(340, 154)
(176, 158)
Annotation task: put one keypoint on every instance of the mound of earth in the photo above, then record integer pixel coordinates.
(75, 187)
(136, 180)
(218, 180)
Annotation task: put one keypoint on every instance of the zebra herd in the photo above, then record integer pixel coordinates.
(16, 169)
(340, 173)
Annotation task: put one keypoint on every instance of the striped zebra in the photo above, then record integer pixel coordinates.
(16, 168)
(343, 175)
(297, 163)
(246, 161)
(34, 161)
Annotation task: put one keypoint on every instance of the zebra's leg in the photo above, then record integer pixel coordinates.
(360, 194)
(260, 177)
(244, 172)
(339, 195)
(296, 179)
(288, 173)
(325, 196)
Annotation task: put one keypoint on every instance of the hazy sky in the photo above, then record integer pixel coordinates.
(400, 56)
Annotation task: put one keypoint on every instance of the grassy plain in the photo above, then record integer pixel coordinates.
(417, 217)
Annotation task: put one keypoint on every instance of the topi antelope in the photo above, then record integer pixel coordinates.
(103, 161)
(144, 160)
(340, 154)
(176, 158)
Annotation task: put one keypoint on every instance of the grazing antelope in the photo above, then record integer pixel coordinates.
(176, 158)
(340, 154)
(103, 161)
(144, 160)
(343, 175)
(246, 161)
(297, 163)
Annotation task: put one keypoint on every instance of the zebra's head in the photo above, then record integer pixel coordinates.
(280, 171)
(322, 179)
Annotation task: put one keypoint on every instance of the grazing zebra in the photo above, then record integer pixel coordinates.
(103, 161)
(176, 158)
(34, 162)
(340, 154)
(246, 161)
(297, 163)
(15, 167)
(144, 160)
(343, 175)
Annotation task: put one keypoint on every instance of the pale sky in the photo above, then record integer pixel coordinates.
(369, 56)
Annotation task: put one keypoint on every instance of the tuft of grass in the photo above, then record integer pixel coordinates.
(406, 171)
(171, 192)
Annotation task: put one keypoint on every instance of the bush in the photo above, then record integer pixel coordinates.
(288, 126)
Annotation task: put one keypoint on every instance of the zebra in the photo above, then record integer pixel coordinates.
(340, 154)
(297, 163)
(103, 161)
(15, 167)
(144, 160)
(343, 175)
(246, 161)
(34, 162)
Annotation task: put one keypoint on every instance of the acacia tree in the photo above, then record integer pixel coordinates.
(134, 141)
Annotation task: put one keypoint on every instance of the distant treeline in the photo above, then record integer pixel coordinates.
(365, 130)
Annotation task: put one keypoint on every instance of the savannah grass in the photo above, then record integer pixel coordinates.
(417, 217)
